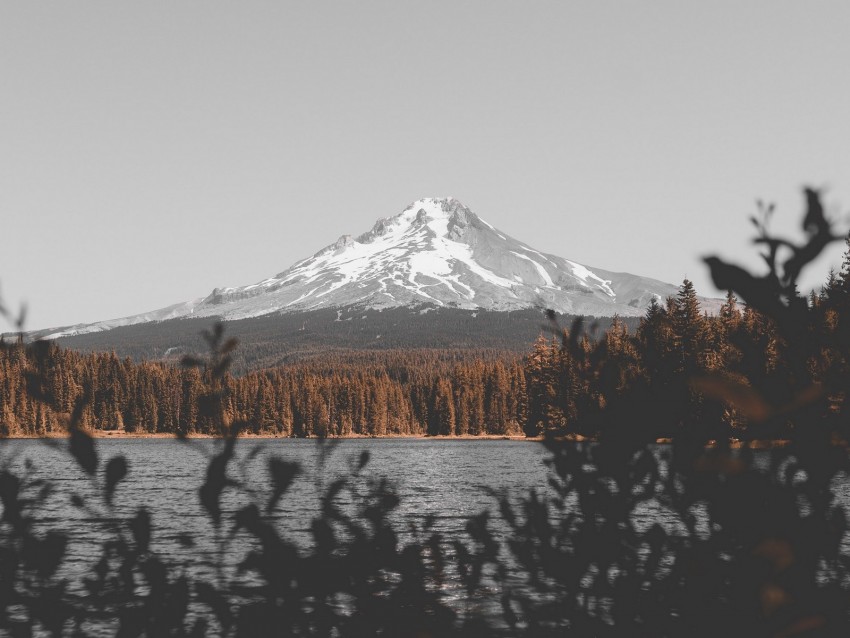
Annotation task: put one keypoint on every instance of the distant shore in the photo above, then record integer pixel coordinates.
(757, 444)
(121, 434)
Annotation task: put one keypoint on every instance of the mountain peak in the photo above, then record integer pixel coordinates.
(450, 215)
(442, 216)
(433, 201)
(437, 207)
(436, 252)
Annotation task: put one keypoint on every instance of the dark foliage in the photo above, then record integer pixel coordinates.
(759, 545)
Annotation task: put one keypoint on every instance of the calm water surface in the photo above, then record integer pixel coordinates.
(438, 479)
(444, 480)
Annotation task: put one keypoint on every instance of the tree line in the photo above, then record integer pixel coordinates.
(373, 394)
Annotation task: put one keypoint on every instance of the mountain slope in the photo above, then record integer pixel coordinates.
(283, 338)
(436, 252)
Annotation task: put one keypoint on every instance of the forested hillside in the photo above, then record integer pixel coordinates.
(564, 379)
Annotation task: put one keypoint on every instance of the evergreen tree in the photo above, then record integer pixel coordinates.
(688, 326)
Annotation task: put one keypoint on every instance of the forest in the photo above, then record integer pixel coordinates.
(556, 388)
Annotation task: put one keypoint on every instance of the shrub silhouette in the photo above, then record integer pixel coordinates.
(755, 548)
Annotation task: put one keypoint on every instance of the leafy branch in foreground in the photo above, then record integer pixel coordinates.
(697, 539)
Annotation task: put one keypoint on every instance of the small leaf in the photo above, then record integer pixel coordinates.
(814, 220)
(213, 337)
(220, 369)
(282, 474)
(216, 481)
(140, 525)
(773, 597)
(363, 460)
(229, 345)
(36, 387)
(22, 317)
(10, 487)
(82, 448)
(77, 414)
(116, 470)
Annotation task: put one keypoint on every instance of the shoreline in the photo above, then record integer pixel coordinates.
(120, 434)
(756, 444)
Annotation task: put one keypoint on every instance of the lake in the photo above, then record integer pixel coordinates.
(443, 480)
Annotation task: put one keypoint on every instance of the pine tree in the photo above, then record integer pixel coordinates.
(656, 338)
(688, 326)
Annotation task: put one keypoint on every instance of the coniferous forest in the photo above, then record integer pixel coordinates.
(556, 388)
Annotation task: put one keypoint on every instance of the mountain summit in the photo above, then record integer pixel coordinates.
(437, 252)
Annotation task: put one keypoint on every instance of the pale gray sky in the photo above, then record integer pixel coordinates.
(151, 151)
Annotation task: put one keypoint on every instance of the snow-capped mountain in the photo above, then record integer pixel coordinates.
(436, 252)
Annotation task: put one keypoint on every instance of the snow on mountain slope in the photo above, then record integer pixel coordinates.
(436, 252)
